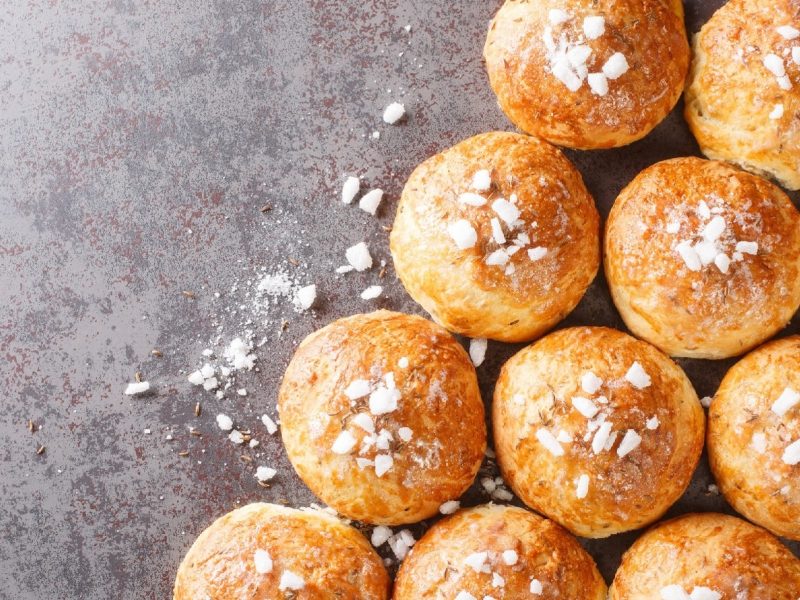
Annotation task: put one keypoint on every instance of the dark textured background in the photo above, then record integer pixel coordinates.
(138, 142)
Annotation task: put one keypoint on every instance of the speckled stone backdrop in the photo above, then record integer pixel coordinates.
(139, 142)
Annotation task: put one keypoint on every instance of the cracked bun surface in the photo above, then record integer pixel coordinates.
(720, 556)
(703, 259)
(498, 552)
(497, 237)
(382, 418)
(743, 92)
(596, 430)
(587, 75)
(270, 552)
(754, 437)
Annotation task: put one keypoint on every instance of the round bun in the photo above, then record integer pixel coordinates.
(588, 75)
(411, 383)
(702, 259)
(510, 281)
(477, 548)
(748, 436)
(596, 430)
(269, 552)
(738, 109)
(724, 554)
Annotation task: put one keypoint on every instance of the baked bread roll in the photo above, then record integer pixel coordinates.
(497, 237)
(587, 75)
(270, 552)
(596, 430)
(382, 418)
(754, 437)
(743, 93)
(702, 259)
(498, 552)
(707, 557)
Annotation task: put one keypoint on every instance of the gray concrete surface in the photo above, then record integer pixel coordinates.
(138, 143)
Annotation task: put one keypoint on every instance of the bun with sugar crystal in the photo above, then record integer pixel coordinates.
(743, 93)
(754, 436)
(270, 552)
(497, 237)
(702, 259)
(587, 75)
(382, 418)
(498, 552)
(596, 430)
(711, 557)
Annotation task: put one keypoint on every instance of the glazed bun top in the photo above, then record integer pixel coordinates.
(498, 552)
(270, 552)
(497, 237)
(754, 436)
(382, 418)
(743, 94)
(702, 259)
(596, 430)
(710, 556)
(587, 75)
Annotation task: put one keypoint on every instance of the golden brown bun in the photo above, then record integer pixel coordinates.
(439, 402)
(435, 568)
(725, 554)
(649, 33)
(731, 94)
(457, 287)
(535, 392)
(333, 560)
(746, 439)
(705, 313)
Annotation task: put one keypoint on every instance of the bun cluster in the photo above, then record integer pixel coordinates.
(600, 432)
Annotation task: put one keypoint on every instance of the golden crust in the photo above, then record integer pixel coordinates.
(726, 554)
(439, 401)
(457, 287)
(730, 93)
(535, 391)
(435, 568)
(705, 313)
(677, 7)
(754, 479)
(333, 559)
(649, 33)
